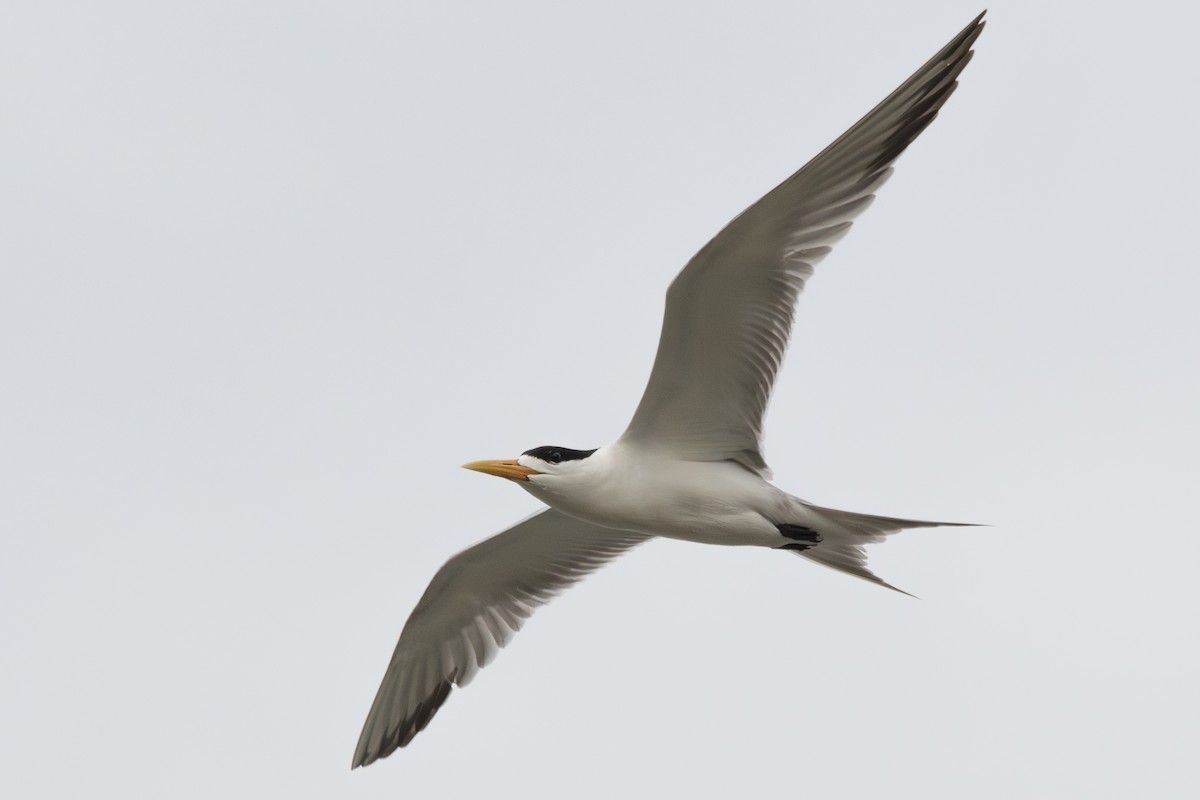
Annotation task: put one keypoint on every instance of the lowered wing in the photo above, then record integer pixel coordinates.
(472, 608)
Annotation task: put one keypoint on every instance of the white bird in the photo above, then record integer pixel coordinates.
(690, 464)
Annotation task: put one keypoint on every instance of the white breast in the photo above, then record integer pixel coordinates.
(626, 487)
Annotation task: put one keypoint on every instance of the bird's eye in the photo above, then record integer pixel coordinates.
(555, 457)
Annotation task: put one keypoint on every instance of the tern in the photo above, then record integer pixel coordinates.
(690, 464)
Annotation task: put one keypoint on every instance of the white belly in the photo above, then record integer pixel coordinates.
(707, 502)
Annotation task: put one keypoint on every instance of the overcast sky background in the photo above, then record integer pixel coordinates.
(270, 272)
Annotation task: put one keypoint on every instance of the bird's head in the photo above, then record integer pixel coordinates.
(539, 465)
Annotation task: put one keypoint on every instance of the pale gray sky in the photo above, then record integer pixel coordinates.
(270, 272)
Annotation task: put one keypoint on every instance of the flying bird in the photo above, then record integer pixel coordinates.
(690, 464)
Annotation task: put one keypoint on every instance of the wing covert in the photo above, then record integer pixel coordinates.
(729, 312)
(473, 606)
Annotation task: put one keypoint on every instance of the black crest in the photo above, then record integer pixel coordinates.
(557, 455)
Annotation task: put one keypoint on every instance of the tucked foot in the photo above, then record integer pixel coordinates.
(802, 538)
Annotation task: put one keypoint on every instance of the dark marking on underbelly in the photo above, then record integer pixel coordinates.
(803, 538)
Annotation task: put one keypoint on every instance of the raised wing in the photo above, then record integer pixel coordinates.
(472, 608)
(729, 312)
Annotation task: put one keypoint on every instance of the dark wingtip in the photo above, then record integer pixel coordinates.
(408, 728)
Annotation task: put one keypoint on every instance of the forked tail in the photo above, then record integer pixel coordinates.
(836, 538)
